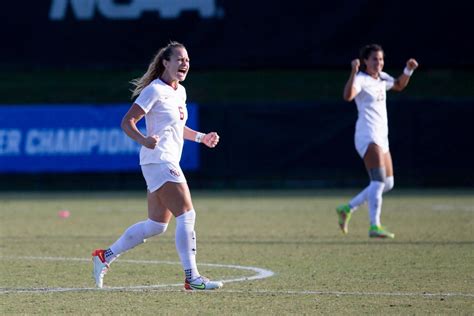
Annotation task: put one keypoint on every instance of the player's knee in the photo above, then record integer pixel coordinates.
(389, 184)
(153, 228)
(377, 174)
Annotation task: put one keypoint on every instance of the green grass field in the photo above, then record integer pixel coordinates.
(428, 269)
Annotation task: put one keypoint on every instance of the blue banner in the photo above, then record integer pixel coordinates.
(75, 138)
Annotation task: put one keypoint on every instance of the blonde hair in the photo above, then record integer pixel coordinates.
(155, 69)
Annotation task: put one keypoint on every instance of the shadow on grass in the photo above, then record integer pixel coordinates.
(343, 242)
(62, 238)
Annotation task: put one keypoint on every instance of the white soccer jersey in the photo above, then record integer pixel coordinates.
(371, 104)
(166, 116)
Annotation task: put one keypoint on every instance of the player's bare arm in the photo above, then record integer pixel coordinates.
(129, 126)
(404, 78)
(349, 91)
(210, 139)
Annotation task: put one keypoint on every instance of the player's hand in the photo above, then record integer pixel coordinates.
(412, 64)
(151, 141)
(211, 139)
(355, 64)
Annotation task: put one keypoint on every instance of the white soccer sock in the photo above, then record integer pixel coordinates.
(133, 236)
(361, 198)
(358, 200)
(389, 184)
(375, 191)
(186, 243)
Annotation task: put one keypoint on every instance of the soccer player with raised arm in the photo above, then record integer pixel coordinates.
(367, 85)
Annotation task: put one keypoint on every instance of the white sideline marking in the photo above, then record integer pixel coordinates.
(260, 274)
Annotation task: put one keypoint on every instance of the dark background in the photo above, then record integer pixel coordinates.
(249, 34)
(268, 144)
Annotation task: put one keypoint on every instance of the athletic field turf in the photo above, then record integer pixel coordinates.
(278, 252)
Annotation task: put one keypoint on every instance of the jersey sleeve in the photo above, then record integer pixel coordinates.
(389, 80)
(147, 98)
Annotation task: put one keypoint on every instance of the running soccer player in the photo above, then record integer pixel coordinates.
(162, 101)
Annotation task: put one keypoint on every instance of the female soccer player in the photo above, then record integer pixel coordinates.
(162, 101)
(368, 84)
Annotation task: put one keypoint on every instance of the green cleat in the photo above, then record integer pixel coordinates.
(344, 214)
(380, 232)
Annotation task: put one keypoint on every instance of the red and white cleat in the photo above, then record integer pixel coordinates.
(100, 267)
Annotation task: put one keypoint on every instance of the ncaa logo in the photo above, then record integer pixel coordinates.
(175, 173)
(133, 9)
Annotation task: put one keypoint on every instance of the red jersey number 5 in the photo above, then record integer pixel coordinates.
(181, 113)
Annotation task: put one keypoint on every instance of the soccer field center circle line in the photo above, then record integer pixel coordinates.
(260, 274)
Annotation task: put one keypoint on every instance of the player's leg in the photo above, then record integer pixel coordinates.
(374, 161)
(362, 196)
(344, 211)
(177, 198)
(158, 215)
(389, 180)
(156, 224)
